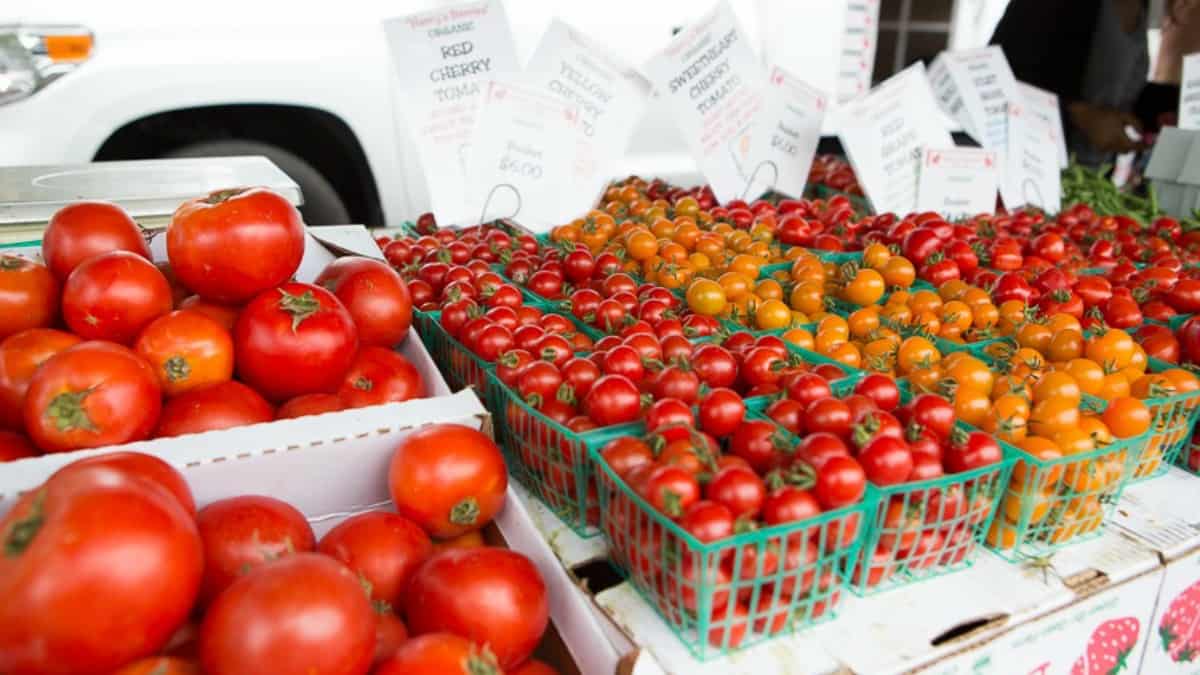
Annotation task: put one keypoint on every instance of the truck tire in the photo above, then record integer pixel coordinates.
(322, 204)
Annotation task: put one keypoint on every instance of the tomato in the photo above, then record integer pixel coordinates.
(218, 406)
(160, 665)
(447, 478)
(580, 374)
(490, 595)
(14, 446)
(721, 412)
(886, 460)
(828, 414)
(840, 482)
(380, 375)
(113, 296)
(758, 442)
(104, 539)
(1189, 339)
(1122, 312)
(187, 350)
(932, 412)
(28, 295)
(1185, 296)
(739, 489)
(1127, 417)
(307, 613)
(1010, 286)
(762, 365)
(971, 451)
(440, 654)
(1094, 291)
(817, 448)
(295, 339)
(246, 532)
(86, 229)
(91, 395)
(881, 389)
(375, 296)
(708, 521)
(613, 399)
(1049, 246)
(625, 453)
(623, 360)
(556, 349)
(808, 388)
(546, 284)
(717, 368)
(670, 489)
(534, 667)
(539, 381)
(144, 466)
(383, 549)
(235, 244)
(309, 404)
(20, 356)
(676, 381)
(920, 244)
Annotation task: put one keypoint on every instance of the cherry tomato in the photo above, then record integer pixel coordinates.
(374, 295)
(223, 405)
(114, 296)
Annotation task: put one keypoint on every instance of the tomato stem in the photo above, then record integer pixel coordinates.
(22, 532)
(482, 662)
(66, 410)
(176, 368)
(220, 196)
(466, 512)
(299, 306)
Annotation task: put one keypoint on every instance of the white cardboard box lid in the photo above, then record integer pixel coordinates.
(1163, 512)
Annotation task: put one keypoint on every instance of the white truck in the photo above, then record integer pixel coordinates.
(309, 85)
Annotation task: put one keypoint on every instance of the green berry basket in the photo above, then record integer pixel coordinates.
(459, 365)
(1172, 418)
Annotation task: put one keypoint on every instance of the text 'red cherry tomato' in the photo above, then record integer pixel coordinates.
(492, 596)
(28, 295)
(114, 296)
(383, 548)
(374, 294)
(91, 395)
(218, 406)
(380, 375)
(447, 478)
(20, 356)
(83, 230)
(295, 339)
(234, 244)
(307, 613)
(188, 350)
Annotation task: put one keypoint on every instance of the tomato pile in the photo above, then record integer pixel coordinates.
(100, 346)
(172, 589)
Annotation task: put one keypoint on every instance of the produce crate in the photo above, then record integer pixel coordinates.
(1052, 503)
(459, 365)
(699, 589)
(1172, 420)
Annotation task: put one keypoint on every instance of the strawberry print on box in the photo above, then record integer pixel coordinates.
(1179, 627)
(1172, 637)
(1109, 648)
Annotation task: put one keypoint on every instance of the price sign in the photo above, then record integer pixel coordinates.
(947, 94)
(443, 60)
(713, 83)
(1189, 93)
(884, 133)
(786, 134)
(980, 84)
(1043, 106)
(522, 156)
(611, 97)
(958, 182)
(859, 41)
(1031, 173)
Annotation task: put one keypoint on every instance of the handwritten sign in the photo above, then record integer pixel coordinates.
(1189, 93)
(443, 60)
(713, 83)
(1031, 172)
(884, 134)
(958, 182)
(945, 90)
(859, 41)
(1043, 106)
(785, 137)
(983, 84)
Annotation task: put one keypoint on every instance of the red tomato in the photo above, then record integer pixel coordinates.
(241, 533)
(738, 488)
(881, 389)
(808, 388)
(788, 504)
(20, 356)
(613, 399)
(226, 315)
(218, 406)
(91, 395)
(234, 244)
(670, 489)
(759, 442)
(390, 634)
(840, 482)
(114, 296)
(440, 654)
(886, 460)
(83, 230)
(307, 613)
(106, 540)
(141, 465)
(309, 404)
(721, 412)
(492, 596)
(14, 446)
(375, 296)
(932, 412)
(626, 453)
(971, 451)
(447, 478)
(160, 665)
(28, 295)
(708, 521)
(380, 375)
(295, 339)
(188, 350)
(533, 667)
(715, 366)
(384, 549)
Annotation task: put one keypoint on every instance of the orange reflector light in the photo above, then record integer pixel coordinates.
(68, 47)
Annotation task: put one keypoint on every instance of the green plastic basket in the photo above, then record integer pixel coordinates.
(1053, 503)
(1172, 419)
(459, 365)
(720, 597)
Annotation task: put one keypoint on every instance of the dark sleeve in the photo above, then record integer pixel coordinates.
(1047, 43)
(1155, 101)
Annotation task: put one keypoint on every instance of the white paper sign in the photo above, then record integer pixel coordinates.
(884, 133)
(984, 81)
(522, 156)
(859, 42)
(806, 37)
(611, 98)
(1189, 93)
(1043, 105)
(713, 82)
(958, 182)
(947, 94)
(786, 134)
(1031, 174)
(443, 60)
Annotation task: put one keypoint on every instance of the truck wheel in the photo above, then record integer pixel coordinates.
(322, 204)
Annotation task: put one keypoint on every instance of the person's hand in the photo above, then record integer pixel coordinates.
(1104, 128)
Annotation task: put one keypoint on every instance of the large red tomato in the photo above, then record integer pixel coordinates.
(385, 549)
(83, 230)
(188, 350)
(234, 244)
(226, 315)
(375, 296)
(299, 615)
(440, 654)
(241, 533)
(295, 339)
(91, 395)
(447, 478)
(114, 296)
(380, 375)
(160, 665)
(14, 446)
(28, 295)
(20, 356)
(218, 406)
(99, 569)
(309, 404)
(144, 466)
(491, 596)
